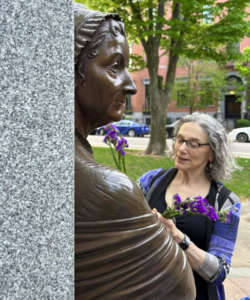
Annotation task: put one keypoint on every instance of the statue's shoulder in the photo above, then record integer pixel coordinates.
(106, 193)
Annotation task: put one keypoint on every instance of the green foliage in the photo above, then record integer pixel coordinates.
(242, 123)
(203, 29)
(138, 164)
(239, 183)
(243, 67)
(137, 63)
(201, 86)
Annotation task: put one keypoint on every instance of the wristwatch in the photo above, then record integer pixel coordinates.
(185, 243)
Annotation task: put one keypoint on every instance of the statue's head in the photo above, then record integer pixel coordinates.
(102, 81)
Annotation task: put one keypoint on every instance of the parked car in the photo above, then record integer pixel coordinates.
(130, 128)
(93, 132)
(241, 135)
(170, 129)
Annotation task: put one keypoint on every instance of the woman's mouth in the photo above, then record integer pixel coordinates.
(182, 159)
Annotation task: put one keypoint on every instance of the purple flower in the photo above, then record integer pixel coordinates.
(125, 142)
(110, 138)
(184, 205)
(177, 198)
(112, 127)
(212, 214)
(205, 202)
(119, 143)
(196, 206)
(201, 209)
(120, 150)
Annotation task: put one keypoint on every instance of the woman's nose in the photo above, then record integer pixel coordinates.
(184, 146)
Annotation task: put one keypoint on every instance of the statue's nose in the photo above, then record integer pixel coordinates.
(129, 87)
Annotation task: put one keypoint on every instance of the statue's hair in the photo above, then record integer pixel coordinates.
(223, 163)
(108, 27)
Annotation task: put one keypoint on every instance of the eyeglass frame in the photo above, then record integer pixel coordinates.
(188, 144)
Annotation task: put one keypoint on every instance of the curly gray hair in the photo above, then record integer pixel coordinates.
(224, 162)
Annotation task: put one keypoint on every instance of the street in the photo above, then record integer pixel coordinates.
(140, 143)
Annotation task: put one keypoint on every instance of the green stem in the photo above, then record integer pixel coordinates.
(119, 160)
(123, 163)
(118, 167)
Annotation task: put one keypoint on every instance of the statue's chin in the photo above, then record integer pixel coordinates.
(113, 116)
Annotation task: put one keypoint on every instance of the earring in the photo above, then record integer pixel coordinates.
(210, 165)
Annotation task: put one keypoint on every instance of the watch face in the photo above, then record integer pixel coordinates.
(185, 243)
(183, 246)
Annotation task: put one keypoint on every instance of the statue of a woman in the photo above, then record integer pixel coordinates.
(121, 249)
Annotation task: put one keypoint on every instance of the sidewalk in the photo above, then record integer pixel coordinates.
(237, 285)
(237, 288)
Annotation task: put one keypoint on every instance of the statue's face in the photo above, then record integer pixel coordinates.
(107, 82)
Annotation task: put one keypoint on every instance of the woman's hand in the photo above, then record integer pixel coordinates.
(176, 234)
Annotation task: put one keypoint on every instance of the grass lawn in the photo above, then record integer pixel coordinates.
(137, 164)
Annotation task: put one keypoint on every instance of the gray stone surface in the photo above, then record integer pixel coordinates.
(36, 152)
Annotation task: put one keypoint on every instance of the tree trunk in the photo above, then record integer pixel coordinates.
(160, 98)
(157, 142)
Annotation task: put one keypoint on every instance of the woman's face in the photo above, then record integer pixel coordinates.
(189, 160)
(107, 82)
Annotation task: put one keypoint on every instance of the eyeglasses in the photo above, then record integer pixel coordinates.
(191, 144)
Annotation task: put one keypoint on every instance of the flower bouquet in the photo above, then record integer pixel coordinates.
(196, 206)
(118, 144)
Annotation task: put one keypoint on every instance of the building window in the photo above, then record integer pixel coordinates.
(147, 97)
(234, 80)
(128, 102)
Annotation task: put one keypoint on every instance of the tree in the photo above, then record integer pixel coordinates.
(196, 29)
(243, 67)
(202, 84)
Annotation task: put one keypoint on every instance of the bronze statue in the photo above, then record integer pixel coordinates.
(121, 249)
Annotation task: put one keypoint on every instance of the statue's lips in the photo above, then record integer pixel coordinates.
(120, 102)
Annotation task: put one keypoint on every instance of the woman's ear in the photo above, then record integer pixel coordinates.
(211, 158)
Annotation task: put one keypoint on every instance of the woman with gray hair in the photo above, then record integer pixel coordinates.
(203, 156)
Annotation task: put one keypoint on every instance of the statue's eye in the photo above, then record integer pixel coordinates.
(115, 67)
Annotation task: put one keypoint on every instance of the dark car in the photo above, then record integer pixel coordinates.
(170, 129)
(130, 128)
(94, 132)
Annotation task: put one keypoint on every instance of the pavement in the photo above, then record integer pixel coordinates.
(237, 284)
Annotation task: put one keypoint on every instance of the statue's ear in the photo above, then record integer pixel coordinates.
(79, 79)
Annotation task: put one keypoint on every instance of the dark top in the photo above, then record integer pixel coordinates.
(194, 227)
